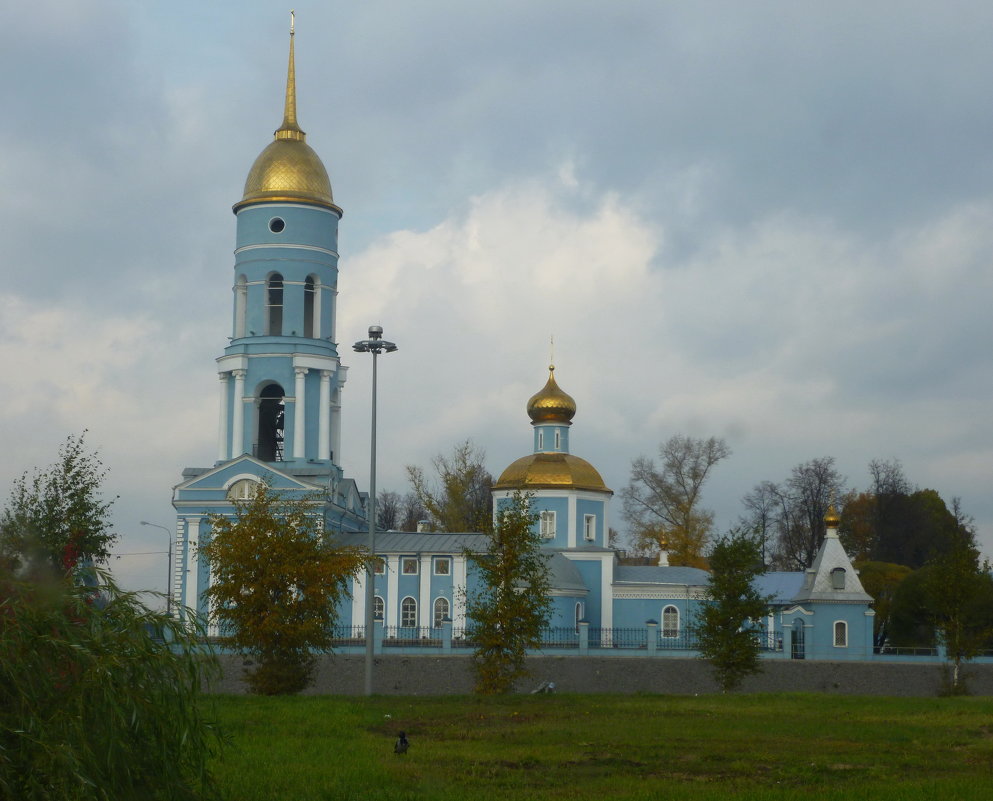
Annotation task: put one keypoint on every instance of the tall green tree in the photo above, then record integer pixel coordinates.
(882, 580)
(959, 593)
(61, 504)
(724, 626)
(277, 580)
(511, 605)
(100, 697)
(662, 502)
(459, 498)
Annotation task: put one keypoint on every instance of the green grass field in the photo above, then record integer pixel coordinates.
(607, 747)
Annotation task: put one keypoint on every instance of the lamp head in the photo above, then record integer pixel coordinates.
(375, 332)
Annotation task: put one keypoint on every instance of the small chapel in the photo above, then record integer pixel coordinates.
(279, 420)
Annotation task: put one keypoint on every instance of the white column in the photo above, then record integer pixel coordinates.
(458, 591)
(324, 433)
(238, 420)
(391, 611)
(299, 414)
(222, 420)
(607, 591)
(192, 598)
(212, 628)
(318, 294)
(424, 601)
(358, 599)
(573, 523)
(335, 413)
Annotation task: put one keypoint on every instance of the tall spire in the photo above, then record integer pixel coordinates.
(290, 129)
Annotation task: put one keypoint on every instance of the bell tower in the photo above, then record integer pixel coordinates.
(281, 376)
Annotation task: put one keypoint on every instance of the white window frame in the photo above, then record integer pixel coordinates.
(546, 523)
(541, 439)
(378, 605)
(244, 489)
(589, 527)
(379, 566)
(558, 439)
(669, 631)
(840, 626)
(408, 613)
(443, 560)
(446, 611)
(409, 560)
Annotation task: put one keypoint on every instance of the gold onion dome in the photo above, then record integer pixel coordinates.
(289, 169)
(551, 404)
(831, 519)
(551, 471)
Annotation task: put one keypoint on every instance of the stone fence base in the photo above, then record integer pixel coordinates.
(452, 675)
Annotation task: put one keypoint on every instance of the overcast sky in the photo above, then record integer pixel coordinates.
(767, 221)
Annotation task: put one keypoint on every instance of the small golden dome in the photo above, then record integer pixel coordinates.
(831, 519)
(288, 169)
(551, 404)
(551, 471)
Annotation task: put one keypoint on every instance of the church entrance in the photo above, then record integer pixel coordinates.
(797, 651)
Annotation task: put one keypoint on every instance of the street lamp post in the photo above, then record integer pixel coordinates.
(168, 592)
(375, 345)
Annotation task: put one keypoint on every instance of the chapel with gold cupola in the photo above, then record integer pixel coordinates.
(570, 497)
(280, 375)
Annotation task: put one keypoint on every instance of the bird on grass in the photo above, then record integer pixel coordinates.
(401, 745)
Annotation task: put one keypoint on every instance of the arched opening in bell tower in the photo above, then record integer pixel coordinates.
(309, 293)
(274, 305)
(271, 421)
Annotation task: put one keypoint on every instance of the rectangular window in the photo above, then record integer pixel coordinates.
(541, 439)
(548, 525)
(408, 565)
(589, 527)
(558, 439)
(380, 567)
(442, 566)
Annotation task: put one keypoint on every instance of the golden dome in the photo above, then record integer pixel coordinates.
(551, 404)
(288, 169)
(831, 519)
(551, 471)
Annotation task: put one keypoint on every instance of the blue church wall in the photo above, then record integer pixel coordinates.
(591, 572)
(635, 612)
(819, 621)
(303, 225)
(588, 507)
(544, 438)
(563, 614)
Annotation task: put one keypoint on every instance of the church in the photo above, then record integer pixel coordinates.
(279, 420)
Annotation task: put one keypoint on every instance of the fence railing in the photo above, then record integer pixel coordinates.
(566, 638)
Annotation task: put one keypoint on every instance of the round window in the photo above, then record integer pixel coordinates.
(276, 225)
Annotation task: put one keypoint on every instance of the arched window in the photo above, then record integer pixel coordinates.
(670, 622)
(270, 435)
(840, 634)
(441, 611)
(309, 295)
(558, 439)
(579, 614)
(377, 608)
(243, 489)
(838, 578)
(240, 306)
(274, 305)
(547, 524)
(408, 613)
